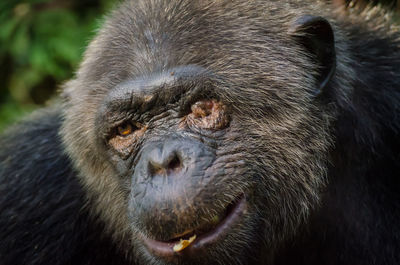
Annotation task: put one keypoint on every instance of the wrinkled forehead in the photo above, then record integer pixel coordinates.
(244, 43)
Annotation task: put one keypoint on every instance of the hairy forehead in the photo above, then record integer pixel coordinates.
(141, 38)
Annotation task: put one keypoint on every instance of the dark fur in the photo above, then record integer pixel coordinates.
(322, 173)
(44, 219)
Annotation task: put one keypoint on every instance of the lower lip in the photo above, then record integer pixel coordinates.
(165, 249)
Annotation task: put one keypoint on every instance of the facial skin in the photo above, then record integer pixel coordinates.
(179, 130)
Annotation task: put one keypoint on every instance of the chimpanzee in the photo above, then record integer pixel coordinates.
(214, 132)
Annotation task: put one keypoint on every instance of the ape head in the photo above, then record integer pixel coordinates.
(208, 119)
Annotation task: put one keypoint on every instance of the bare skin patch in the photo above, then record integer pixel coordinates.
(208, 114)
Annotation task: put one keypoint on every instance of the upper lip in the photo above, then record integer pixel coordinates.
(165, 248)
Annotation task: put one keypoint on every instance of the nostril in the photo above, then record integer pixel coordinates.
(175, 165)
(165, 169)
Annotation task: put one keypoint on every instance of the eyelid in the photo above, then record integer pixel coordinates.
(193, 96)
(210, 114)
(123, 143)
(134, 126)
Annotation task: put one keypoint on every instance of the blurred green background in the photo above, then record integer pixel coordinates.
(41, 44)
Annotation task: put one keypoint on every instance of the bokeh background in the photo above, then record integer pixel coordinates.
(41, 44)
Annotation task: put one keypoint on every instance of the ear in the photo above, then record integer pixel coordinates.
(316, 35)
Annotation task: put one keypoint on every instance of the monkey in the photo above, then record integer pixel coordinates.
(256, 132)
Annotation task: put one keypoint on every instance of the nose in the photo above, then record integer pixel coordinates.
(168, 177)
(165, 162)
(173, 158)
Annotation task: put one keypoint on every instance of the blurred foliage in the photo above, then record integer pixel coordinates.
(41, 44)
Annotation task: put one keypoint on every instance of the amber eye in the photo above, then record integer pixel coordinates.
(126, 135)
(126, 129)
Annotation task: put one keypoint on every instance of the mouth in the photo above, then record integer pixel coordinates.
(204, 238)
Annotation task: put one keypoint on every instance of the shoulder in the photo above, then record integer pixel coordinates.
(31, 152)
(41, 199)
(43, 208)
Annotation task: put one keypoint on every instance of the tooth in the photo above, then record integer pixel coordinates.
(184, 244)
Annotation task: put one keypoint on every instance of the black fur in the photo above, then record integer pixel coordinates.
(44, 218)
(359, 219)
